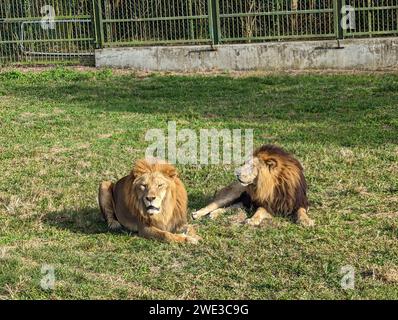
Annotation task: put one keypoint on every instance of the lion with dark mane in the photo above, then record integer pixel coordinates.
(151, 200)
(273, 182)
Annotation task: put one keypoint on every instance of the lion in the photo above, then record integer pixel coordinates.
(272, 182)
(151, 200)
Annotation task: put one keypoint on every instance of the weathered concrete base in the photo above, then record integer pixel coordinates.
(365, 54)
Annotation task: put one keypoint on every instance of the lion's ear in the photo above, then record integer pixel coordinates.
(271, 163)
(170, 171)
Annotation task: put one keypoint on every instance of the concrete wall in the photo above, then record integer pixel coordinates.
(367, 54)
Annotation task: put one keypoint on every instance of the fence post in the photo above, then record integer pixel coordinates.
(214, 21)
(338, 29)
(98, 24)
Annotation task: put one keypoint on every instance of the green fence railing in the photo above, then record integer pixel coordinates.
(276, 20)
(373, 18)
(46, 31)
(78, 26)
(143, 22)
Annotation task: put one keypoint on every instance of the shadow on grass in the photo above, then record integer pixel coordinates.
(85, 220)
(314, 109)
(197, 201)
(89, 220)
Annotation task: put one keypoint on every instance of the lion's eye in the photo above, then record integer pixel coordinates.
(161, 185)
(142, 187)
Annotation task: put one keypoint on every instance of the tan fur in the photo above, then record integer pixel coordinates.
(279, 188)
(122, 203)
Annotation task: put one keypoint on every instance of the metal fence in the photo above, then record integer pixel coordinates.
(373, 18)
(43, 31)
(143, 22)
(276, 20)
(27, 34)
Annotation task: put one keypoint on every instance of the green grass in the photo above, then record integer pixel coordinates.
(63, 131)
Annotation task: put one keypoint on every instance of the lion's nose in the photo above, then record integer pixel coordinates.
(150, 198)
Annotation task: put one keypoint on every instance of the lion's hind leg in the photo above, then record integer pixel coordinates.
(105, 200)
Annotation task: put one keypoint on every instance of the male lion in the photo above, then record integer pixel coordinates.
(272, 181)
(151, 200)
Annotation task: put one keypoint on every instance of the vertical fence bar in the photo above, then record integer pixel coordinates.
(218, 21)
(98, 24)
(191, 25)
(338, 29)
(278, 20)
(370, 20)
(210, 14)
(214, 21)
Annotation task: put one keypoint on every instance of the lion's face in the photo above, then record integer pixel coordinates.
(247, 174)
(151, 189)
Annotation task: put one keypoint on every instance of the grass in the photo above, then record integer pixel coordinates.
(62, 131)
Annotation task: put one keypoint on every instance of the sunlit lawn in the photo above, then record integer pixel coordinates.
(63, 131)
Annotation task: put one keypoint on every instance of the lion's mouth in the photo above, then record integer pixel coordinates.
(152, 209)
(245, 184)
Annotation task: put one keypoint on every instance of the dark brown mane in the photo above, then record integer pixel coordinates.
(281, 187)
(273, 150)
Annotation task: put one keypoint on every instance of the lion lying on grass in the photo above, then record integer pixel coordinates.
(273, 182)
(151, 200)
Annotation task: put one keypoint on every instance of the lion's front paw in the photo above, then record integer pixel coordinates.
(199, 214)
(189, 230)
(306, 222)
(114, 225)
(252, 222)
(193, 240)
(216, 213)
